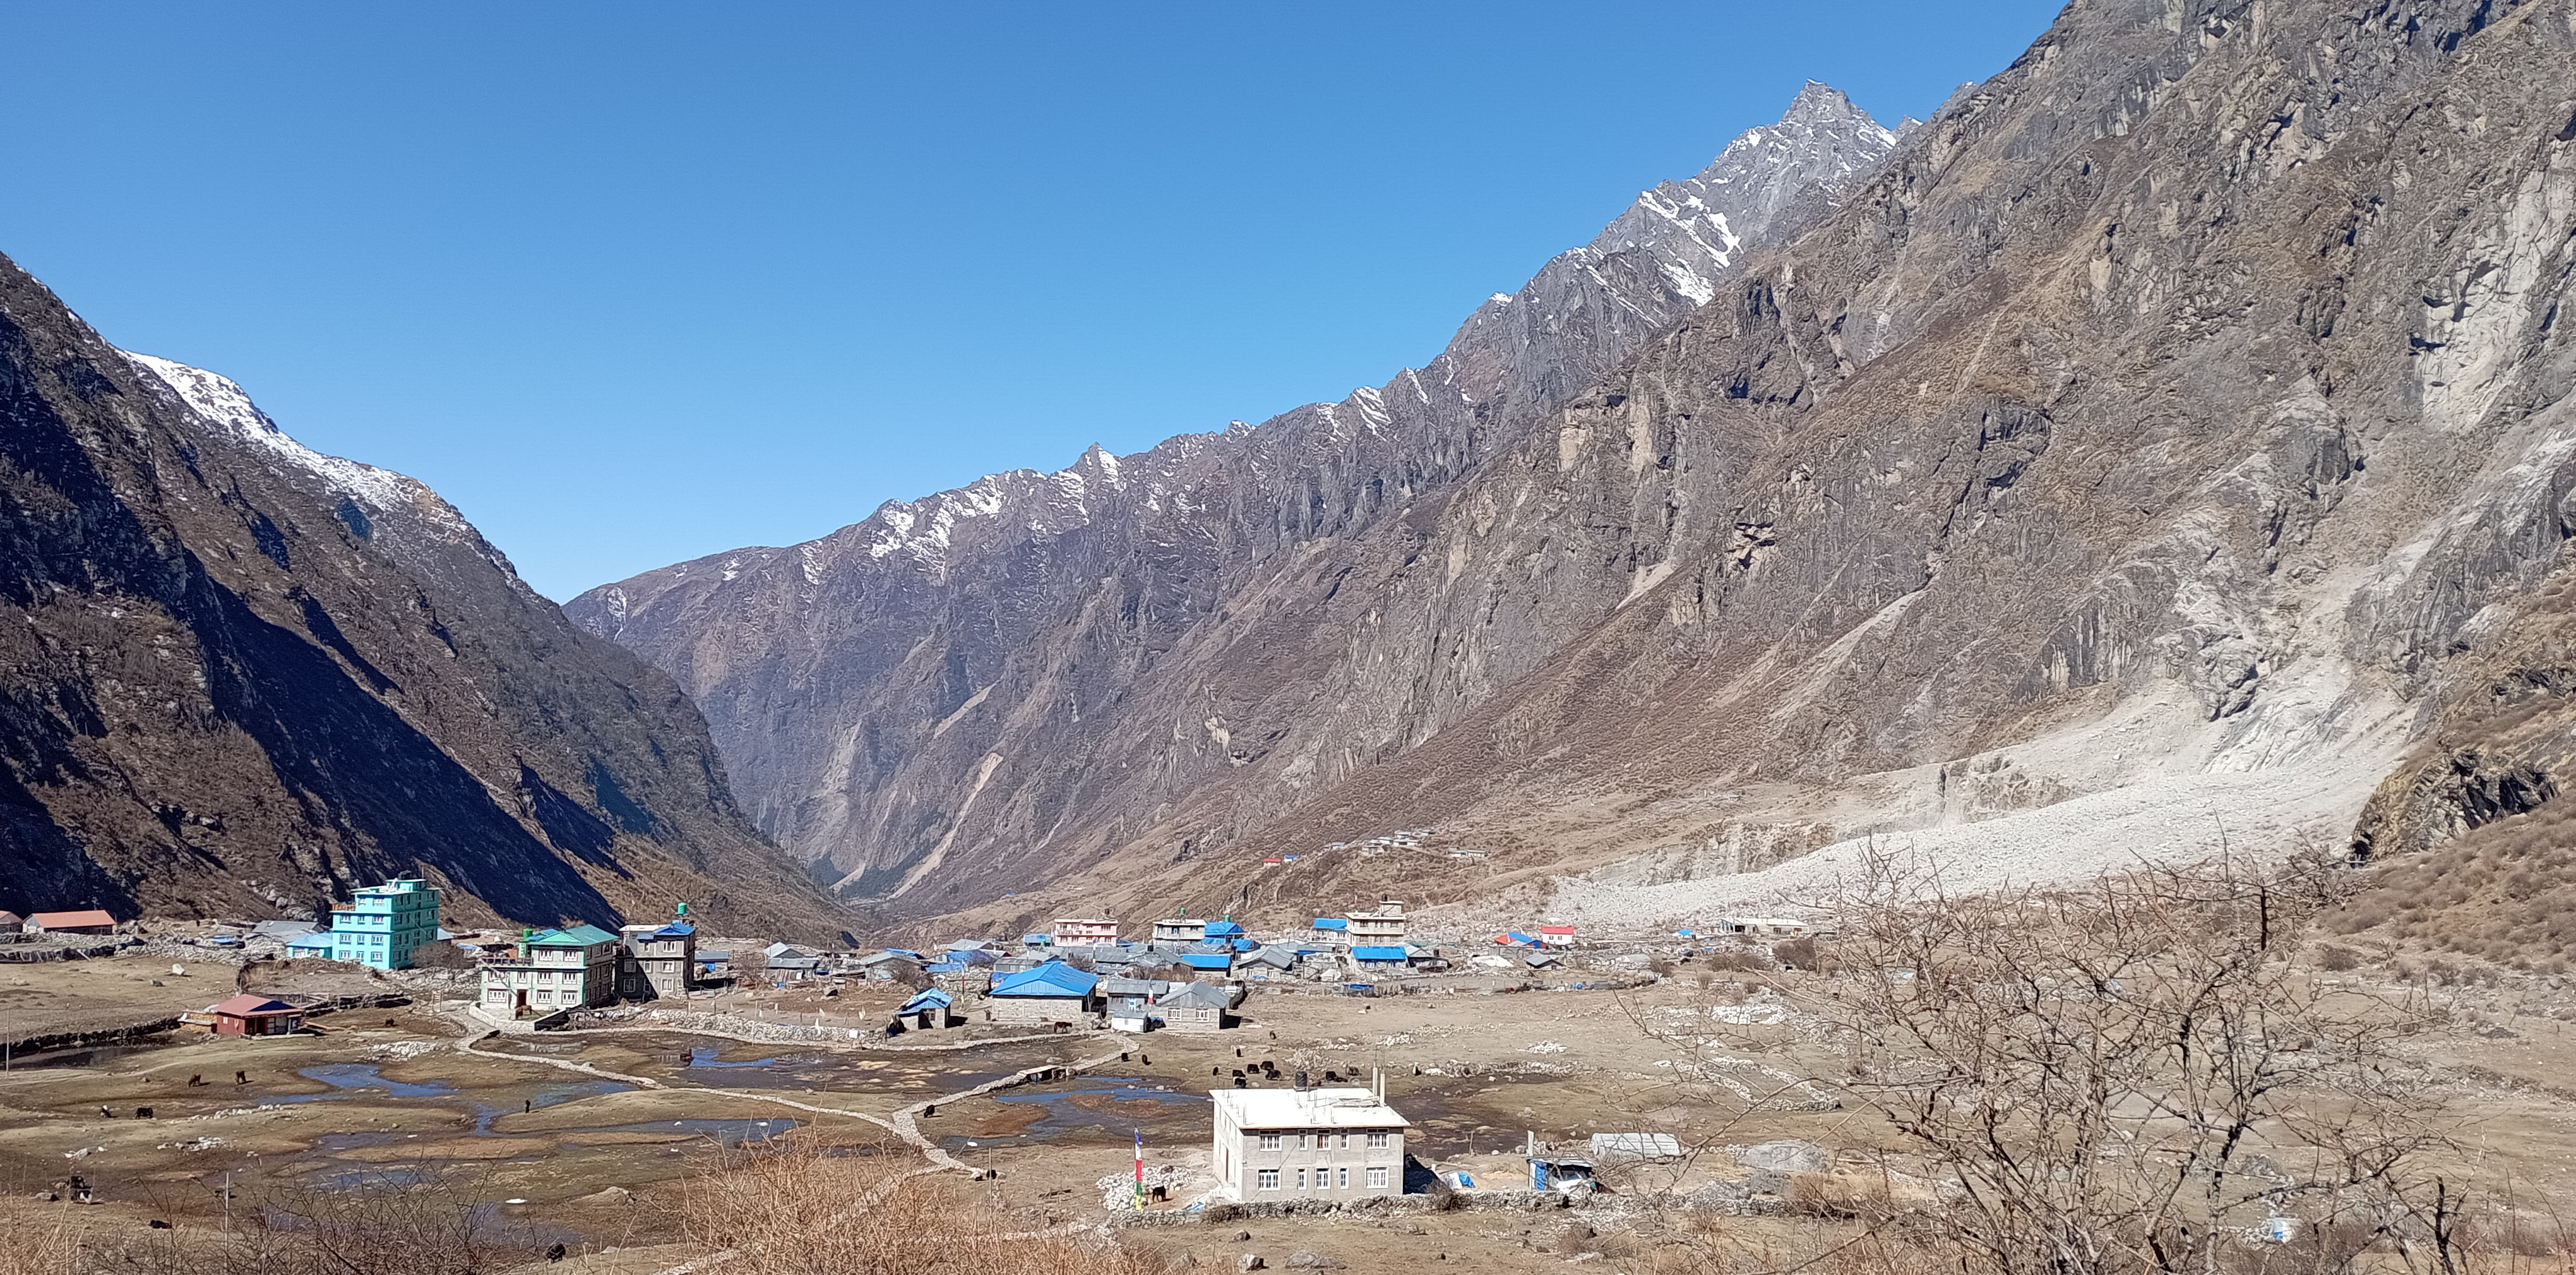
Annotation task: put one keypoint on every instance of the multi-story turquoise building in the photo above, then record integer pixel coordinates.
(384, 923)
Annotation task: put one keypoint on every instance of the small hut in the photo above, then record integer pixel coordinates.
(248, 1015)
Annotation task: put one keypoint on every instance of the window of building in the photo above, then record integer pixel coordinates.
(1270, 1142)
(1346, 1177)
(1301, 1179)
(1269, 1179)
(1377, 1177)
(1346, 1140)
(1376, 1140)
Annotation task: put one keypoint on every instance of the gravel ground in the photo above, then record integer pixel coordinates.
(2167, 819)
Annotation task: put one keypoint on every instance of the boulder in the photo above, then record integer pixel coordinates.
(1789, 1155)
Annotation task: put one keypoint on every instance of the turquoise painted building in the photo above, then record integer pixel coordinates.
(384, 923)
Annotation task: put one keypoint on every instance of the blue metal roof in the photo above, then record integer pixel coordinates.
(944, 967)
(1055, 978)
(1208, 960)
(1377, 954)
(1332, 923)
(1244, 945)
(1223, 929)
(675, 930)
(932, 999)
(1519, 937)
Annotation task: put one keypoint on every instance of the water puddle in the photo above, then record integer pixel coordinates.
(355, 1076)
(705, 1056)
(1116, 1104)
(90, 1056)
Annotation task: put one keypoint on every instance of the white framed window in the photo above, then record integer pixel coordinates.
(1305, 1142)
(1270, 1142)
(1346, 1178)
(1377, 1177)
(1269, 1179)
(1346, 1141)
(1377, 1139)
(1301, 1179)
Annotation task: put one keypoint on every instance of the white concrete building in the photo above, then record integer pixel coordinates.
(1383, 927)
(551, 971)
(1307, 1144)
(1085, 931)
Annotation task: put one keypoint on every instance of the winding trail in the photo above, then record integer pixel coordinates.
(903, 1124)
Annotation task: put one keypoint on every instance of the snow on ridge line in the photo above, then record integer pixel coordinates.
(221, 401)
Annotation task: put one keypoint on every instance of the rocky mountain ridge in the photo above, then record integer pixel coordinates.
(238, 677)
(859, 683)
(2163, 448)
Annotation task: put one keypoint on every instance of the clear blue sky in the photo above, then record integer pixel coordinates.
(635, 282)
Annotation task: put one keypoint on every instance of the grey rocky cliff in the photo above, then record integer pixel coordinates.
(2163, 445)
(238, 677)
(932, 679)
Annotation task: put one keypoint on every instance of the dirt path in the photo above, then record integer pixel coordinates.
(902, 1124)
(952, 1047)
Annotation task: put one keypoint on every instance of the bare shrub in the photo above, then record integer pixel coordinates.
(1795, 954)
(1738, 961)
(2338, 959)
(803, 1211)
(2128, 1076)
(39, 1239)
(440, 1227)
(440, 954)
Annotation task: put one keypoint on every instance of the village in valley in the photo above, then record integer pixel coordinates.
(1193, 1084)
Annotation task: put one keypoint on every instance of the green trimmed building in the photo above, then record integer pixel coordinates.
(384, 924)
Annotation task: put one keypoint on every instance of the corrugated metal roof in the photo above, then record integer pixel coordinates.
(244, 1003)
(1377, 954)
(1196, 996)
(932, 999)
(1332, 923)
(1208, 960)
(574, 936)
(1611, 1147)
(1055, 978)
(1223, 929)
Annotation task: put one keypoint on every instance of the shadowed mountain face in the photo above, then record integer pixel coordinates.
(2165, 444)
(238, 677)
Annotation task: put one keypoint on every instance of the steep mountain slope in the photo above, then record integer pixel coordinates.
(923, 697)
(2167, 444)
(238, 677)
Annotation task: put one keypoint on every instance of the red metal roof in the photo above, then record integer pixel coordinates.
(245, 1005)
(66, 920)
(1556, 929)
